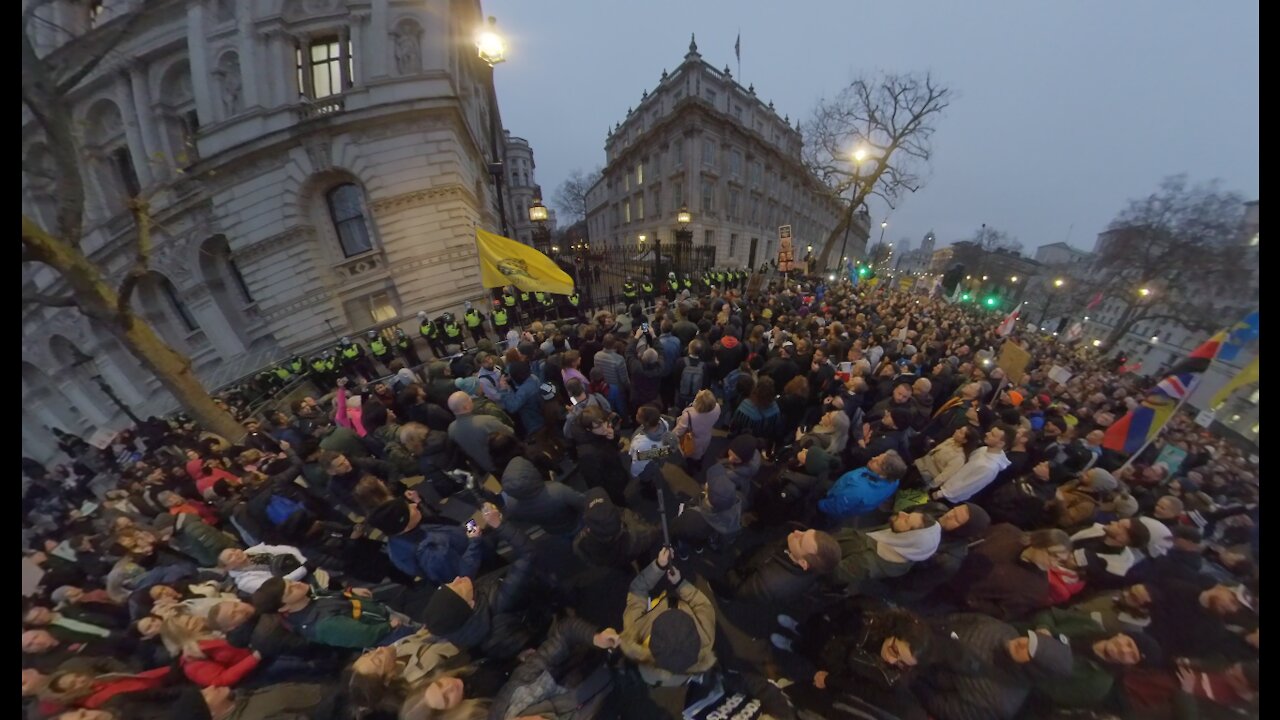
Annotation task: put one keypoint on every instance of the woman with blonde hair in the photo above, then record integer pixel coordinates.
(381, 678)
(699, 418)
(453, 695)
(206, 658)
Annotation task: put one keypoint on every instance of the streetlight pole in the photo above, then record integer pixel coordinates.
(538, 216)
(859, 155)
(684, 239)
(492, 50)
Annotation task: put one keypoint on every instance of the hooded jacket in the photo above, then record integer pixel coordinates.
(438, 553)
(970, 680)
(974, 475)
(857, 492)
(640, 615)
(531, 500)
(994, 580)
(946, 457)
(496, 628)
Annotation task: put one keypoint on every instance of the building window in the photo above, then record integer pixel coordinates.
(737, 112)
(639, 173)
(708, 197)
(241, 285)
(346, 208)
(733, 245)
(709, 237)
(733, 204)
(179, 308)
(755, 211)
(677, 149)
(122, 161)
(656, 202)
(381, 308)
(626, 211)
(709, 94)
(321, 72)
(640, 207)
(709, 152)
(626, 181)
(735, 163)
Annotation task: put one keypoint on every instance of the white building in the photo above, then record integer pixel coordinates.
(314, 167)
(702, 140)
(1062, 256)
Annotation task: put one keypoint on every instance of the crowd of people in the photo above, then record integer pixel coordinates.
(812, 500)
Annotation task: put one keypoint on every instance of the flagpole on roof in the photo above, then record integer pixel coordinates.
(1195, 383)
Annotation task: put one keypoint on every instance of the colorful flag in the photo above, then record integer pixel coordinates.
(1244, 332)
(1144, 422)
(504, 261)
(1093, 303)
(1010, 321)
(1247, 376)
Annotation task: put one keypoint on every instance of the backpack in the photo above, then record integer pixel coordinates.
(281, 508)
(692, 380)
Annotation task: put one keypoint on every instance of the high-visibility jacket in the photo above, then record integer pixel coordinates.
(429, 330)
(647, 288)
(452, 330)
(540, 296)
(379, 348)
(295, 365)
(472, 318)
(282, 372)
(402, 340)
(509, 300)
(573, 299)
(499, 317)
(629, 289)
(350, 352)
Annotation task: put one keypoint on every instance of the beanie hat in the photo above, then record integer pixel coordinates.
(674, 641)
(190, 705)
(445, 612)
(519, 371)
(267, 598)
(1050, 656)
(744, 446)
(602, 517)
(901, 417)
(986, 417)
(721, 492)
(391, 517)
(1102, 481)
(1125, 505)
(1015, 397)
(978, 523)
(1150, 650)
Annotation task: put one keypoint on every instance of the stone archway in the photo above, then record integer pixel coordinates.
(73, 379)
(45, 404)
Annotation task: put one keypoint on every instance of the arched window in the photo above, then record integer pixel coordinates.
(241, 285)
(346, 208)
(179, 308)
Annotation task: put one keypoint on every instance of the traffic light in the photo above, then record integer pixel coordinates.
(965, 297)
(991, 301)
(862, 270)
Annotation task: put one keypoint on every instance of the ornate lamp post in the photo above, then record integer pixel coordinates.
(684, 239)
(541, 235)
(492, 49)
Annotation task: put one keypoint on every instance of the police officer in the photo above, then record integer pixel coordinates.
(574, 302)
(320, 372)
(673, 285)
(548, 307)
(429, 330)
(474, 320)
(380, 349)
(526, 306)
(297, 366)
(687, 282)
(509, 303)
(452, 331)
(629, 291)
(501, 316)
(356, 360)
(404, 344)
(646, 290)
(539, 305)
(282, 375)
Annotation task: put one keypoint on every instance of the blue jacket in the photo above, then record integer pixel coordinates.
(438, 553)
(670, 347)
(857, 492)
(526, 402)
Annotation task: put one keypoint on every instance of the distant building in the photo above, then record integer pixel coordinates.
(1063, 255)
(701, 140)
(522, 186)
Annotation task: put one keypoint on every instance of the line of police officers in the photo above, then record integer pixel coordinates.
(511, 308)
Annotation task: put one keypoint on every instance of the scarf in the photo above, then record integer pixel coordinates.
(83, 628)
(910, 546)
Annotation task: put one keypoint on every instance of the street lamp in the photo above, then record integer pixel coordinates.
(859, 155)
(492, 49)
(1059, 282)
(1013, 279)
(684, 239)
(1144, 292)
(538, 216)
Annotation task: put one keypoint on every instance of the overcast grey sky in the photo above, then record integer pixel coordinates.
(1065, 109)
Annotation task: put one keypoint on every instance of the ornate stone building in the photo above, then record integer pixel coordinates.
(702, 140)
(314, 168)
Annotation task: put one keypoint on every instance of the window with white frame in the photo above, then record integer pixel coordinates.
(708, 196)
(346, 209)
(325, 67)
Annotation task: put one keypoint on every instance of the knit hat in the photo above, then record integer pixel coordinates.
(986, 417)
(267, 598)
(466, 385)
(437, 369)
(59, 596)
(445, 612)
(391, 517)
(519, 371)
(1152, 654)
(744, 446)
(190, 705)
(978, 523)
(602, 517)
(1050, 656)
(673, 640)
(1102, 481)
(1015, 397)
(721, 492)
(901, 417)
(1125, 505)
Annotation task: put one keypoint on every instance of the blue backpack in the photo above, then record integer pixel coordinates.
(281, 508)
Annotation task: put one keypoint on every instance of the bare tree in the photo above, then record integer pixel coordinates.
(1177, 255)
(893, 116)
(48, 85)
(991, 239)
(571, 197)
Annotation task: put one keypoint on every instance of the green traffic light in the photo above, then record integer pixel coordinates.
(862, 271)
(965, 297)
(991, 302)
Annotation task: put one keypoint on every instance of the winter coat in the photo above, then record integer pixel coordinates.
(531, 500)
(639, 617)
(223, 664)
(249, 578)
(764, 423)
(769, 577)
(471, 433)
(994, 579)
(393, 452)
(341, 620)
(970, 680)
(567, 678)
(105, 690)
(201, 542)
(857, 492)
(614, 367)
(498, 628)
(860, 563)
(637, 542)
(1078, 505)
(646, 381)
(700, 424)
(972, 477)
(609, 470)
(525, 404)
(438, 553)
(945, 457)
(419, 655)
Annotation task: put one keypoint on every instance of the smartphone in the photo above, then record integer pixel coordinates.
(472, 525)
(845, 367)
(644, 327)
(573, 400)
(680, 511)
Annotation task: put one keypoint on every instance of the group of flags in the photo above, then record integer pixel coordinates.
(1141, 424)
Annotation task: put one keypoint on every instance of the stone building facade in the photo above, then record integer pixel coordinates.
(702, 140)
(314, 168)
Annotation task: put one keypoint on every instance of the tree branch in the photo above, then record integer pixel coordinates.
(126, 26)
(35, 298)
(142, 220)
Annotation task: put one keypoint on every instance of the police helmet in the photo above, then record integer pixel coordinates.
(345, 341)
(447, 317)
(422, 315)
(372, 334)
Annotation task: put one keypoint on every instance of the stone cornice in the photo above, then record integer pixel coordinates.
(416, 198)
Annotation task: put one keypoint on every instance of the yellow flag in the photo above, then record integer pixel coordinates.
(1248, 375)
(504, 261)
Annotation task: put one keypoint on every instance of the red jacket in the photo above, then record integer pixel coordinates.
(107, 689)
(223, 664)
